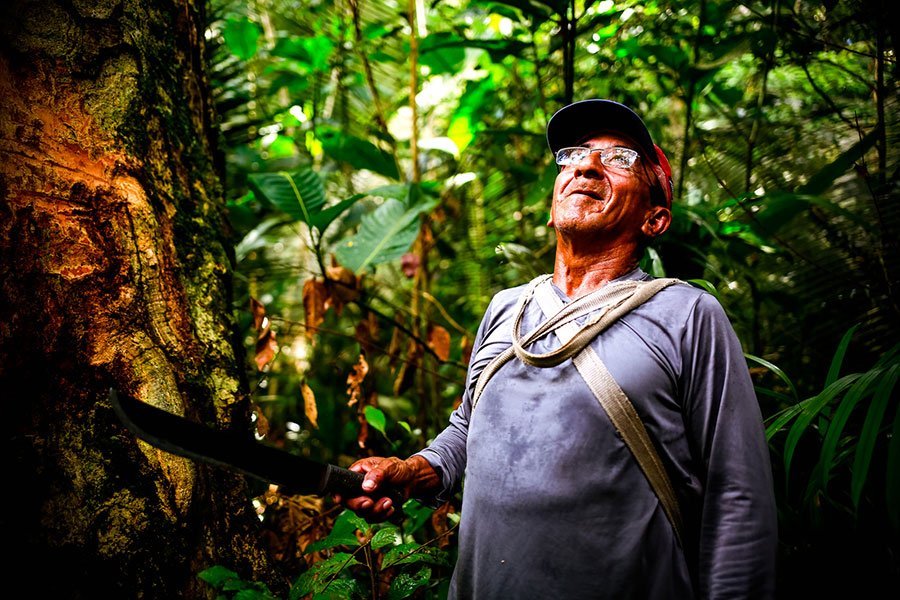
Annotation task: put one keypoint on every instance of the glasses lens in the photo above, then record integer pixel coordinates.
(622, 158)
(567, 156)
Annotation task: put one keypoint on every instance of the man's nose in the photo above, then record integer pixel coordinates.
(589, 166)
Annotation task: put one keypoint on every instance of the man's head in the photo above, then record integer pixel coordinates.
(613, 181)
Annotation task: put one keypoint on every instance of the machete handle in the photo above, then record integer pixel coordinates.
(348, 484)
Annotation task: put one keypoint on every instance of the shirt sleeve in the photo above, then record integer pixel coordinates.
(447, 453)
(738, 523)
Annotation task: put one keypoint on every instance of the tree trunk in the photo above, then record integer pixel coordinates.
(113, 272)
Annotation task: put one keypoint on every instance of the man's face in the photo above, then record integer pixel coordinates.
(609, 202)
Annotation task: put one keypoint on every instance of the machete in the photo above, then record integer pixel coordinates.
(296, 475)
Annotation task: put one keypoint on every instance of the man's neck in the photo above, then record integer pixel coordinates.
(579, 273)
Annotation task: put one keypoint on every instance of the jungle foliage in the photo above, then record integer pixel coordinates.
(386, 173)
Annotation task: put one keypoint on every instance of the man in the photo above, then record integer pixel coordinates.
(556, 504)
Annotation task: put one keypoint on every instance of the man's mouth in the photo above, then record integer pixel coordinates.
(589, 193)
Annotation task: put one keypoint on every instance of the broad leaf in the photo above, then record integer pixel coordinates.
(376, 419)
(389, 536)
(411, 553)
(357, 152)
(404, 584)
(299, 194)
(217, 576)
(318, 576)
(384, 235)
(241, 36)
(342, 534)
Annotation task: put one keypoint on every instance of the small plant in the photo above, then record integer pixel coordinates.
(377, 561)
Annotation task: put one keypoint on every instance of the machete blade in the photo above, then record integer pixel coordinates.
(233, 450)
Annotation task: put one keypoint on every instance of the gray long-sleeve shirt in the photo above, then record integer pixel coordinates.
(554, 504)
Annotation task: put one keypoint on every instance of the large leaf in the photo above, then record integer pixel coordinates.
(838, 359)
(357, 152)
(868, 436)
(299, 194)
(810, 411)
(836, 428)
(385, 234)
(467, 118)
(414, 553)
(342, 534)
(241, 36)
(320, 574)
(404, 584)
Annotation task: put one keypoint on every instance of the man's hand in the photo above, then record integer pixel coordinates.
(411, 476)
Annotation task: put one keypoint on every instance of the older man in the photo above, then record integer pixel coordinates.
(616, 450)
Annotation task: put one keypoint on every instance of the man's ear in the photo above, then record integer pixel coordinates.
(657, 222)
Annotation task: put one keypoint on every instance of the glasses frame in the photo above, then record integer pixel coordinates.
(605, 155)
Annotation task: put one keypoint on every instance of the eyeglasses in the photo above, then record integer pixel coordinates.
(616, 157)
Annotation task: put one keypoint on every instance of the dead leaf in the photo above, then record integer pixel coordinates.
(355, 380)
(265, 348)
(466, 346)
(439, 341)
(309, 405)
(314, 296)
(259, 313)
(262, 423)
(367, 333)
(343, 286)
(441, 524)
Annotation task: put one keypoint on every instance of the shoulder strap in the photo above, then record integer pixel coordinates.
(609, 394)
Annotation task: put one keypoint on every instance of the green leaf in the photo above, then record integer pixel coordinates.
(254, 594)
(342, 534)
(835, 368)
(299, 194)
(316, 578)
(653, 263)
(417, 515)
(323, 219)
(217, 576)
(340, 589)
(836, 428)
(705, 285)
(375, 418)
(466, 120)
(892, 488)
(384, 235)
(411, 553)
(438, 55)
(241, 36)
(868, 435)
(772, 367)
(825, 178)
(404, 584)
(784, 417)
(388, 536)
(810, 411)
(357, 152)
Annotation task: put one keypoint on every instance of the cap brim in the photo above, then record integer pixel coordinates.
(572, 123)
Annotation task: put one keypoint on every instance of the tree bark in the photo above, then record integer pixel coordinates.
(113, 272)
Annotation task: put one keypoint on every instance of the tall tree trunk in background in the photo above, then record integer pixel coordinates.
(113, 272)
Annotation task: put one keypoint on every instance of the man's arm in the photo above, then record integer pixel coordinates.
(738, 531)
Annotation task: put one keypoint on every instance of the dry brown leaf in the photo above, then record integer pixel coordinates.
(441, 524)
(367, 333)
(439, 341)
(265, 348)
(259, 313)
(465, 345)
(343, 286)
(262, 423)
(355, 380)
(309, 405)
(314, 296)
